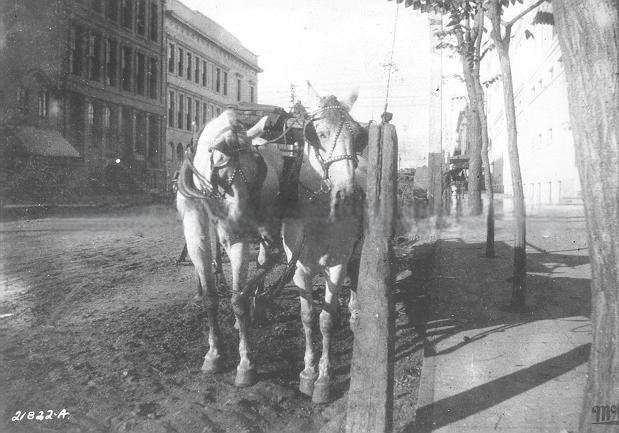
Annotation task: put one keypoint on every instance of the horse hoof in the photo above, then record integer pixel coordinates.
(321, 392)
(306, 383)
(213, 364)
(245, 377)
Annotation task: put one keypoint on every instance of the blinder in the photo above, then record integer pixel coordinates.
(227, 149)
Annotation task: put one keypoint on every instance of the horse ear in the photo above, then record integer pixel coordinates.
(258, 128)
(313, 97)
(349, 101)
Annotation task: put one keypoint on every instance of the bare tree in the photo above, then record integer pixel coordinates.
(501, 35)
(587, 32)
(466, 26)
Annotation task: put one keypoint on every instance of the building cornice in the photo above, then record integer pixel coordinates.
(173, 15)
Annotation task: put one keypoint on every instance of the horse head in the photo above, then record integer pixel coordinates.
(338, 140)
(226, 171)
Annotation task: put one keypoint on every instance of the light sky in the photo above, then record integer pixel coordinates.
(337, 45)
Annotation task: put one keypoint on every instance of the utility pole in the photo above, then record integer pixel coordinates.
(435, 127)
(293, 96)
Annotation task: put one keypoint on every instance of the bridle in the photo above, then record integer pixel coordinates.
(346, 121)
(209, 187)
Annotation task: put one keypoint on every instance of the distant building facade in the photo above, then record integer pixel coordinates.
(91, 72)
(208, 70)
(545, 144)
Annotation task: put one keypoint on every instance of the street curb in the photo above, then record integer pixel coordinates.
(11, 212)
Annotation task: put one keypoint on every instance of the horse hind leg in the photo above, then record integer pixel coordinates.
(239, 261)
(198, 248)
(322, 386)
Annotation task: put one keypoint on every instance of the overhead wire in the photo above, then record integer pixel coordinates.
(395, 28)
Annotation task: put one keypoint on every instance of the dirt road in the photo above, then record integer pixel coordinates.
(95, 319)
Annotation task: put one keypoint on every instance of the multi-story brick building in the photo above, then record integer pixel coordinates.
(208, 70)
(91, 74)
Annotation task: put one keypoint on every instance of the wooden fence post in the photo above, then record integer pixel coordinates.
(370, 398)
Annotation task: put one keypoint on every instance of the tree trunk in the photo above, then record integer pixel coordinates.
(587, 31)
(483, 123)
(519, 282)
(474, 176)
(370, 397)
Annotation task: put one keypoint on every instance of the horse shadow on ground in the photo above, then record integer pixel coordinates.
(470, 293)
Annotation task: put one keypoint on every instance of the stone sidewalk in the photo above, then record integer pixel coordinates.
(487, 369)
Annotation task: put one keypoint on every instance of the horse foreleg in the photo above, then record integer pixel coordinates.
(353, 305)
(199, 250)
(239, 262)
(328, 315)
(308, 376)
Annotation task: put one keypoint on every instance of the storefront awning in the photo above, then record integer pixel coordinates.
(45, 142)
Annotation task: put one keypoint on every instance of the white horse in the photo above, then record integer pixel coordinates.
(221, 186)
(326, 223)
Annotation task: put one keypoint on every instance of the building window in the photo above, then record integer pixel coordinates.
(125, 67)
(111, 53)
(153, 139)
(152, 78)
(140, 128)
(180, 62)
(111, 9)
(225, 83)
(197, 116)
(106, 117)
(204, 112)
(43, 103)
(211, 112)
(125, 125)
(252, 96)
(75, 50)
(171, 58)
(94, 56)
(126, 13)
(171, 109)
(189, 66)
(153, 28)
(238, 90)
(196, 72)
(181, 108)
(217, 111)
(218, 80)
(90, 114)
(140, 75)
(141, 17)
(549, 139)
(188, 118)
(204, 73)
(97, 131)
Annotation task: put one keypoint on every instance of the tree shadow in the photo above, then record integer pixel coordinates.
(468, 292)
(464, 404)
